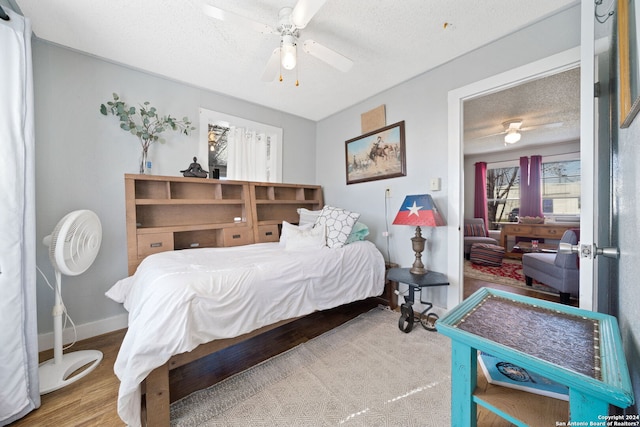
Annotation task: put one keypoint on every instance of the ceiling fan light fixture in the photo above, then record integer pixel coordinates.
(512, 136)
(289, 54)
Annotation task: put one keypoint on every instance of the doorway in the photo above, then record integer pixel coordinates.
(546, 67)
(544, 117)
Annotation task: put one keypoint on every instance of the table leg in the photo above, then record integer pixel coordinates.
(464, 368)
(407, 317)
(585, 408)
(405, 323)
(428, 321)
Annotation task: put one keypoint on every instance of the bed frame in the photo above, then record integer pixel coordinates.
(162, 386)
(156, 399)
(171, 213)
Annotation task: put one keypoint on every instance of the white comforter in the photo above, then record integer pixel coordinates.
(178, 300)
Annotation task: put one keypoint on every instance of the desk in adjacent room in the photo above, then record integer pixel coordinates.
(534, 231)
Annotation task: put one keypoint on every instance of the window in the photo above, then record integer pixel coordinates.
(560, 191)
(561, 188)
(261, 156)
(503, 194)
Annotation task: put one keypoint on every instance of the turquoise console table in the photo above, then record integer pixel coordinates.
(577, 348)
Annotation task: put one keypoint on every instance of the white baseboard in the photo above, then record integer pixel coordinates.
(87, 330)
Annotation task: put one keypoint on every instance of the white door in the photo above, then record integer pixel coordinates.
(589, 175)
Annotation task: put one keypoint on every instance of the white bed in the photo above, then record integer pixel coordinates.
(178, 300)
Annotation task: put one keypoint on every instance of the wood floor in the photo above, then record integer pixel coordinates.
(91, 401)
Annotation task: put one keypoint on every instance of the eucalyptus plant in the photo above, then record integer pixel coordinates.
(144, 122)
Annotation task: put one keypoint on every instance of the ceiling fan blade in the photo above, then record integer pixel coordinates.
(304, 10)
(223, 15)
(327, 55)
(545, 126)
(488, 136)
(272, 68)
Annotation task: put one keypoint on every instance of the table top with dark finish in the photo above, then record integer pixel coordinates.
(431, 278)
(566, 340)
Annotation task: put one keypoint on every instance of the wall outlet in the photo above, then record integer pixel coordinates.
(435, 184)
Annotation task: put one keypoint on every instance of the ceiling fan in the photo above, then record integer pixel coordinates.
(290, 22)
(513, 127)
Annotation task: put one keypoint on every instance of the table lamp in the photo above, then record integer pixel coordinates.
(419, 210)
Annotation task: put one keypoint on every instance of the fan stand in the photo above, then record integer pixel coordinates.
(56, 373)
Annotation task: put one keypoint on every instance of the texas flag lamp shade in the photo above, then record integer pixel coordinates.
(419, 210)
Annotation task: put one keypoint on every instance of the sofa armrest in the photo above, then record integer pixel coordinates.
(495, 234)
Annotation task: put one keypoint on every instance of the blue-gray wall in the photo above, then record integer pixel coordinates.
(82, 157)
(422, 103)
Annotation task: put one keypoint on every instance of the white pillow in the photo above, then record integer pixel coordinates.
(288, 228)
(338, 223)
(306, 238)
(307, 216)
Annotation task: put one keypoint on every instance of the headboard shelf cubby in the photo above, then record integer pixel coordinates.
(165, 213)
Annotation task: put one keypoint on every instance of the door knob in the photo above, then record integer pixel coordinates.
(588, 251)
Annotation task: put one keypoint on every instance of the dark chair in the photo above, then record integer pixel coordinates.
(475, 232)
(559, 271)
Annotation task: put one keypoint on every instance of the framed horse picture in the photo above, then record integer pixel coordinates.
(379, 154)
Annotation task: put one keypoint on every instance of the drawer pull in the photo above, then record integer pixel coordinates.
(236, 236)
(269, 233)
(156, 245)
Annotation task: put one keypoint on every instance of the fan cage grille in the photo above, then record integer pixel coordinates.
(75, 242)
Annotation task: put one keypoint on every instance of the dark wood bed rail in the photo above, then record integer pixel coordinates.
(156, 398)
(161, 388)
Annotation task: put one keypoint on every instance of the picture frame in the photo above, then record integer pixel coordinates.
(379, 154)
(628, 52)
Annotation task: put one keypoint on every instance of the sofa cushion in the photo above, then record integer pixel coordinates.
(474, 230)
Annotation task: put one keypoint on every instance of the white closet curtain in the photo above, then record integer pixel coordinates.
(19, 387)
(251, 155)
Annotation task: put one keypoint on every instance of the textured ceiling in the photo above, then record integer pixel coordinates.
(549, 108)
(389, 41)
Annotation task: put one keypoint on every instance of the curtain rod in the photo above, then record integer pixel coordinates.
(3, 14)
(518, 159)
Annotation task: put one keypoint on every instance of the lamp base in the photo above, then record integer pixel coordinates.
(418, 270)
(418, 247)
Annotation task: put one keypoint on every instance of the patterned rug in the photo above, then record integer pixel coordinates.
(363, 373)
(509, 274)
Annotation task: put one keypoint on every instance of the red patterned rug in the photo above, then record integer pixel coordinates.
(509, 274)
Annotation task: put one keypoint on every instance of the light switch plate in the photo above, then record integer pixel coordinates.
(435, 184)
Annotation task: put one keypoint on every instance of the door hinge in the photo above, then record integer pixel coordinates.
(596, 90)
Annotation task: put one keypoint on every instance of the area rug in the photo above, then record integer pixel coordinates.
(363, 373)
(510, 274)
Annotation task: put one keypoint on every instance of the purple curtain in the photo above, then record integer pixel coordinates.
(480, 200)
(531, 186)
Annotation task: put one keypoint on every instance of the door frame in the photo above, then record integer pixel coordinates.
(554, 64)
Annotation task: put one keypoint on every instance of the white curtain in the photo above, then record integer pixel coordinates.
(19, 387)
(251, 155)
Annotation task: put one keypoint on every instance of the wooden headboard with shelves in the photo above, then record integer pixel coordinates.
(166, 213)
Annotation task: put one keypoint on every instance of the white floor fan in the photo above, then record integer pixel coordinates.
(73, 246)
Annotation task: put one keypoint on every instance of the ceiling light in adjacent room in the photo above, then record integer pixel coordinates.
(512, 136)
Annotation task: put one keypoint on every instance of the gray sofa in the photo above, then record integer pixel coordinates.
(559, 271)
(473, 235)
